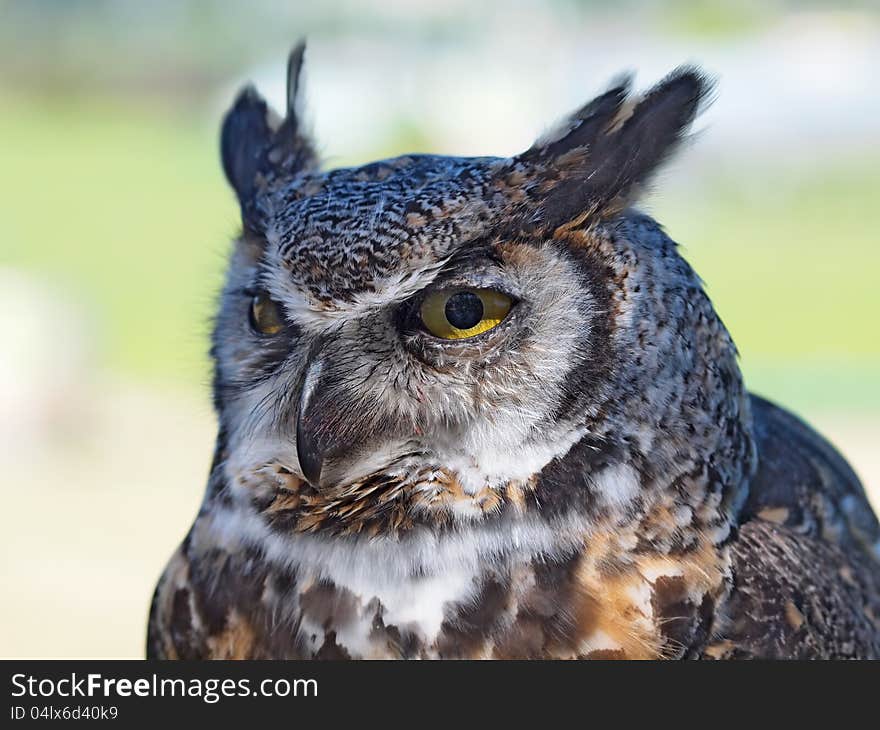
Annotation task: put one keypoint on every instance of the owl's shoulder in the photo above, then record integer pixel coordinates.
(173, 615)
(802, 482)
(206, 604)
(797, 597)
(806, 573)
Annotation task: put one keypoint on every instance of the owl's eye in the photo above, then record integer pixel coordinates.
(457, 314)
(265, 315)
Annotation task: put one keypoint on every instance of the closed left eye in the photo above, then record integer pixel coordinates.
(457, 314)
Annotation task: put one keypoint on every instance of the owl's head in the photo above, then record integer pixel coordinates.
(464, 321)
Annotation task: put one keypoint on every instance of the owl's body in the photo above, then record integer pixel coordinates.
(479, 407)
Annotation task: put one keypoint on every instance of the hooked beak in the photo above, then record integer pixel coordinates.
(328, 429)
(309, 449)
(311, 460)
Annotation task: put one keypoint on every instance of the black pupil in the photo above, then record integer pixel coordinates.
(464, 310)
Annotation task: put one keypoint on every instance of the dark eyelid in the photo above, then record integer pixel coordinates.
(453, 286)
(481, 278)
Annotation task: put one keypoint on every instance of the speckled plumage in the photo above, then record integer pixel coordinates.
(587, 479)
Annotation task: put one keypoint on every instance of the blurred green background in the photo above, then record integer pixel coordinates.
(116, 221)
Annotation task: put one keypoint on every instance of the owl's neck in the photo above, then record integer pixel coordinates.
(671, 498)
(626, 561)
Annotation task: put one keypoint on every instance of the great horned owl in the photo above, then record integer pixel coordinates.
(481, 407)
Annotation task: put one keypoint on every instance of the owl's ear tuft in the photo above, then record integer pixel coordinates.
(255, 144)
(582, 127)
(295, 94)
(244, 139)
(610, 148)
(292, 149)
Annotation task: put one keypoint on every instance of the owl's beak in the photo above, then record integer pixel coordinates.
(309, 449)
(326, 430)
(331, 430)
(311, 458)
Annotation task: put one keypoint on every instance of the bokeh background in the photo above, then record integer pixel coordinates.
(115, 221)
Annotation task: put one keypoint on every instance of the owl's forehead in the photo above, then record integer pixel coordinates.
(358, 233)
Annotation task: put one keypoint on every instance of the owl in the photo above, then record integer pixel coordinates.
(483, 408)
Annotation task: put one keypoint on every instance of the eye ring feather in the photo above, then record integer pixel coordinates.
(462, 313)
(264, 314)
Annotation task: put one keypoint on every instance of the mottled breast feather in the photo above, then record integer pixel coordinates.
(802, 583)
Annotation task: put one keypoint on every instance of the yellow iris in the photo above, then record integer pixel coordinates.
(266, 315)
(457, 314)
